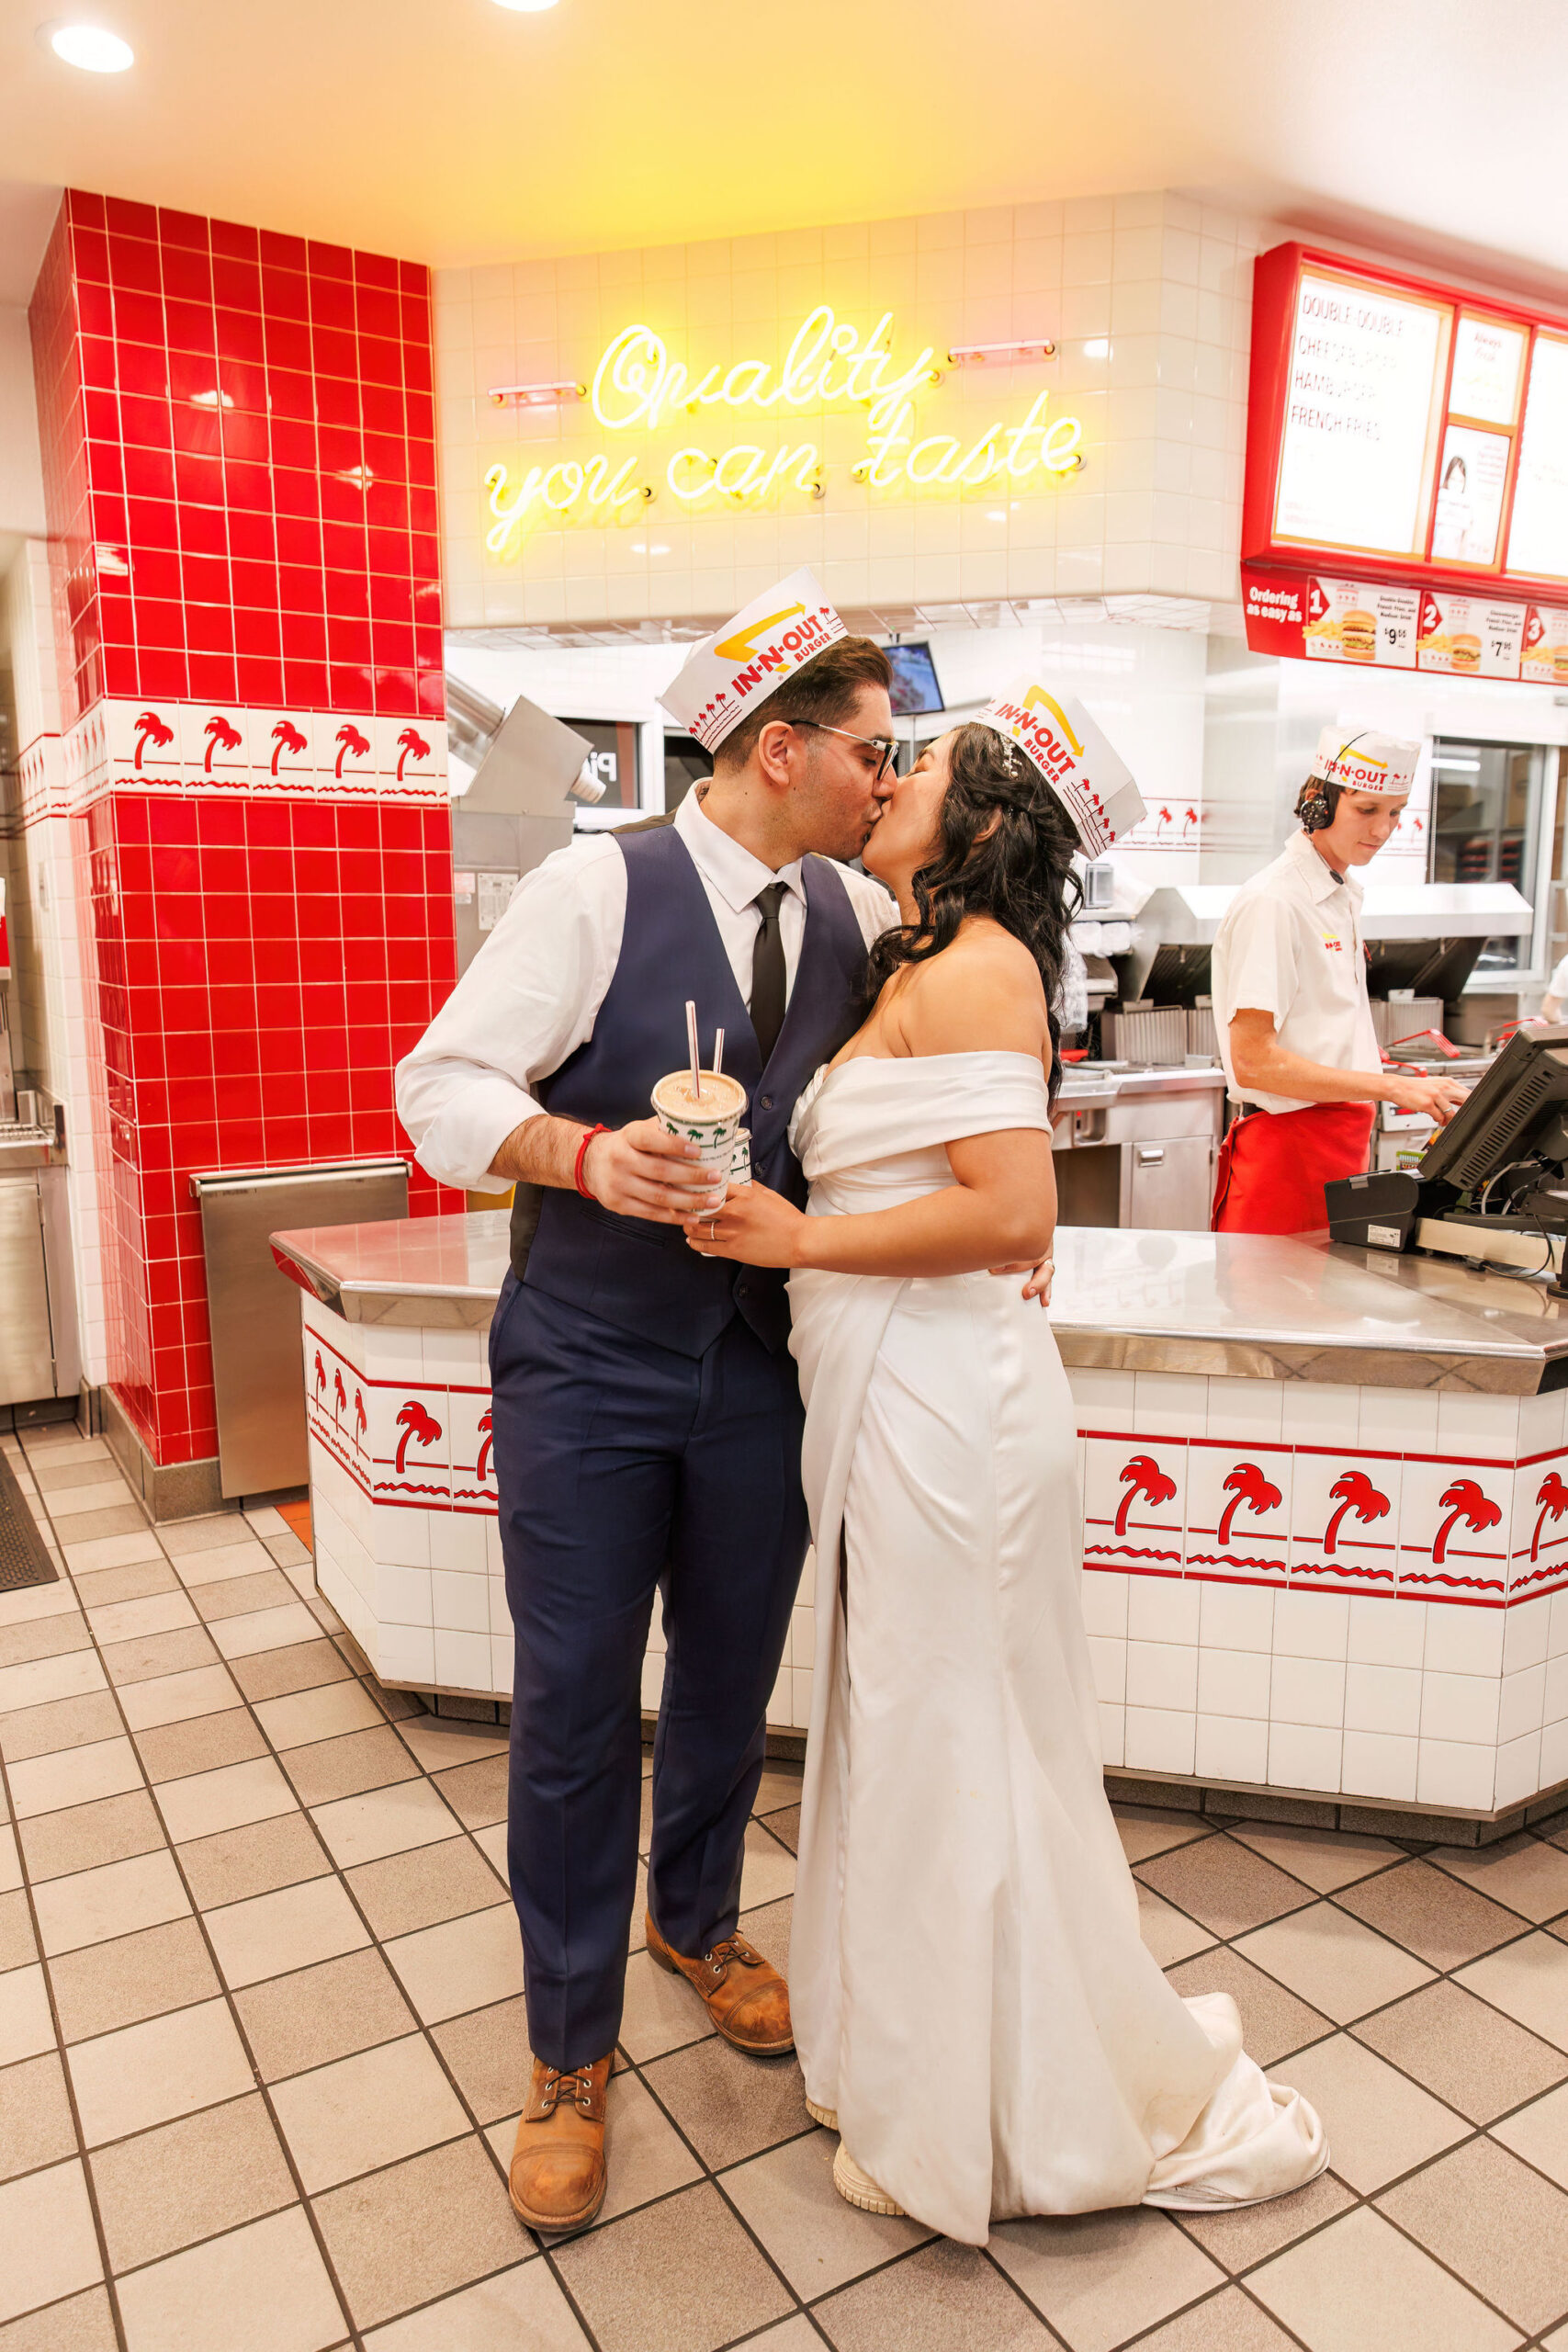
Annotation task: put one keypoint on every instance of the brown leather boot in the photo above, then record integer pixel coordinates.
(743, 1993)
(557, 2180)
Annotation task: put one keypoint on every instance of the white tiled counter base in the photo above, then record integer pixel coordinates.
(1354, 1591)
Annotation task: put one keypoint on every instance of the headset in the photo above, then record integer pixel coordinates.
(1316, 812)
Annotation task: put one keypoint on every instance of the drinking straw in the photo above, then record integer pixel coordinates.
(718, 1053)
(691, 1043)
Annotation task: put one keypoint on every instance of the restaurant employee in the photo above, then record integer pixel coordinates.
(1290, 1007)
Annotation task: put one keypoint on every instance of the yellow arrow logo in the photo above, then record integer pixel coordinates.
(1037, 698)
(742, 646)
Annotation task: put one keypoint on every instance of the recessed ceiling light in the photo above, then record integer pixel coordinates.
(90, 47)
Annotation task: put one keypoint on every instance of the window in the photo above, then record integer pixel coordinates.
(1490, 818)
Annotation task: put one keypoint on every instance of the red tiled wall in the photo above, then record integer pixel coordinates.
(239, 470)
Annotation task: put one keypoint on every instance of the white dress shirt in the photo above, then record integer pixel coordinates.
(1289, 943)
(532, 994)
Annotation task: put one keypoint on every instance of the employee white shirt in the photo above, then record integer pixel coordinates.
(1289, 943)
(532, 994)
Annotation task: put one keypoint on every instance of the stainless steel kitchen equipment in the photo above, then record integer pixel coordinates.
(39, 1350)
(257, 1371)
(518, 808)
(1144, 1032)
(1136, 1148)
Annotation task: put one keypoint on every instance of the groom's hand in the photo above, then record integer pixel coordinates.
(639, 1171)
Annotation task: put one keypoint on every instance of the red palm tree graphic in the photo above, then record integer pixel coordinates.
(220, 735)
(1247, 1485)
(349, 738)
(484, 1449)
(1552, 1497)
(1142, 1476)
(320, 1376)
(360, 1423)
(1355, 1492)
(1464, 1500)
(416, 1422)
(1190, 819)
(410, 746)
(339, 1398)
(288, 738)
(150, 729)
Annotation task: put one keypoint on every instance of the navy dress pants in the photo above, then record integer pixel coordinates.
(623, 1467)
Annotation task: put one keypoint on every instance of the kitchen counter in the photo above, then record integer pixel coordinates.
(1322, 1543)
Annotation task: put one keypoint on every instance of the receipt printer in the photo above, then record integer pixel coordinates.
(1375, 1212)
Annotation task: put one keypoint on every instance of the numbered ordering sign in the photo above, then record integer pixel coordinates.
(1407, 469)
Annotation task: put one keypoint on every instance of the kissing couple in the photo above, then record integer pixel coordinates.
(689, 1386)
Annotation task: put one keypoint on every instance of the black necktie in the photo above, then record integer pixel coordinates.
(768, 971)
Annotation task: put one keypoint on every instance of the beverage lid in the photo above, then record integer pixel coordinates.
(1366, 761)
(1061, 740)
(761, 646)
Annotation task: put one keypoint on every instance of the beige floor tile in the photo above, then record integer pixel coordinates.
(1497, 2223)
(1169, 1933)
(239, 1863)
(272, 1935)
(1336, 1964)
(384, 1821)
(46, 1678)
(767, 1871)
(1247, 2235)
(521, 2307)
(36, 1637)
(1226, 2323)
(349, 1764)
(131, 1621)
(477, 1793)
(1100, 2278)
(780, 1785)
(1378, 2124)
(489, 2057)
(416, 2230)
(112, 1830)
(52, 2247)
(1431, 1913)
(244, 1595)
(728, 2105)
(1359, 2284)
(104, 1986)
(661, 2012)
(175, 1698)
(1223, 1886)
(26, 2026)
(69, 1502)
(303, 1665)
(216, 1531)
(1323, 1859)
(203, 1742)
(147, 2074)
(189, 2179)
(463, 1964)
(325, 1713)
(1539, 2134)
(942, 2297)
(1462, 2051)
(10, 1860)
(1528, 1981)
(263, 1629)
(102, 1586)
(92, 1905)
(1525, 1873)
(491, 1843)
(676, 2274)
(111, 1552)
(60, 1722)
(818, 2240)
(35, 2115)
(262, 2289)
(418, 1888)
(321, 2013)
(217, 1563)
(31, 1601)
(73, 1776)
(18, 1946)
(441, 1745)
(205, 1802)
(82, 2324)
(157, 1656)
(366, 2112)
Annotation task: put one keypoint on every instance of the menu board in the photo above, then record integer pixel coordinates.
(1360, 418)
(1488, 356)
(1314, 616)
(1537, 541)
(1472, 478)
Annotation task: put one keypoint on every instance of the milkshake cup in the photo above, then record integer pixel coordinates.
(711, 1119)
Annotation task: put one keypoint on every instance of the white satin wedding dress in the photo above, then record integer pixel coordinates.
(968, 1984)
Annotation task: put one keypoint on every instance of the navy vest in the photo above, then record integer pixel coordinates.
(641, 1276)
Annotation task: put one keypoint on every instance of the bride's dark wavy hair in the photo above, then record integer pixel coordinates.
(1004, 848)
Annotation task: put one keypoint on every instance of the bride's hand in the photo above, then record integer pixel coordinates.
(755, 1226)
(1041, 1272)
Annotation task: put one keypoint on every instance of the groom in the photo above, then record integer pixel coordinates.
(647, 1417)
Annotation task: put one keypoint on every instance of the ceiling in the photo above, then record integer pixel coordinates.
(454, 131)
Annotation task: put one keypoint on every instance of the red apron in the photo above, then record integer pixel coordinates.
(1274, 1165)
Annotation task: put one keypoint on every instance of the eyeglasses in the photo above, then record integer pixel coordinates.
(884, 746)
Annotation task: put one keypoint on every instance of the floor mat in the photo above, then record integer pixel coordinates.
(23, 1559)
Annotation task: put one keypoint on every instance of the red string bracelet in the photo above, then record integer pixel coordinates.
(582, 1156)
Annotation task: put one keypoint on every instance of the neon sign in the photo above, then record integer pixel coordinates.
(638, 387)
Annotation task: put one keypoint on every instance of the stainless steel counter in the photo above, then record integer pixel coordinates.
(1241, 1306)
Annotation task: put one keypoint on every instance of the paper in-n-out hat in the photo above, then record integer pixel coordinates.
(775, 634)
(1092, 784)
(1365, 762)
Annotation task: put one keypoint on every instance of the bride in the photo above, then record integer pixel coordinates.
(973, 2007)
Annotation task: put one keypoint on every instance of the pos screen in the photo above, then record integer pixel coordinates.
(1511, 1115)
(914, 690)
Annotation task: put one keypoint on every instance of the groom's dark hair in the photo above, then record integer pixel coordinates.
(825, 690)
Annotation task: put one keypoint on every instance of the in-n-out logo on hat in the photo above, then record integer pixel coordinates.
(723, 677)
(1062, 743)
(1366, 762)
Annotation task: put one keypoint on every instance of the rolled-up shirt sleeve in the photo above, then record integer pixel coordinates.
(527, 1001)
